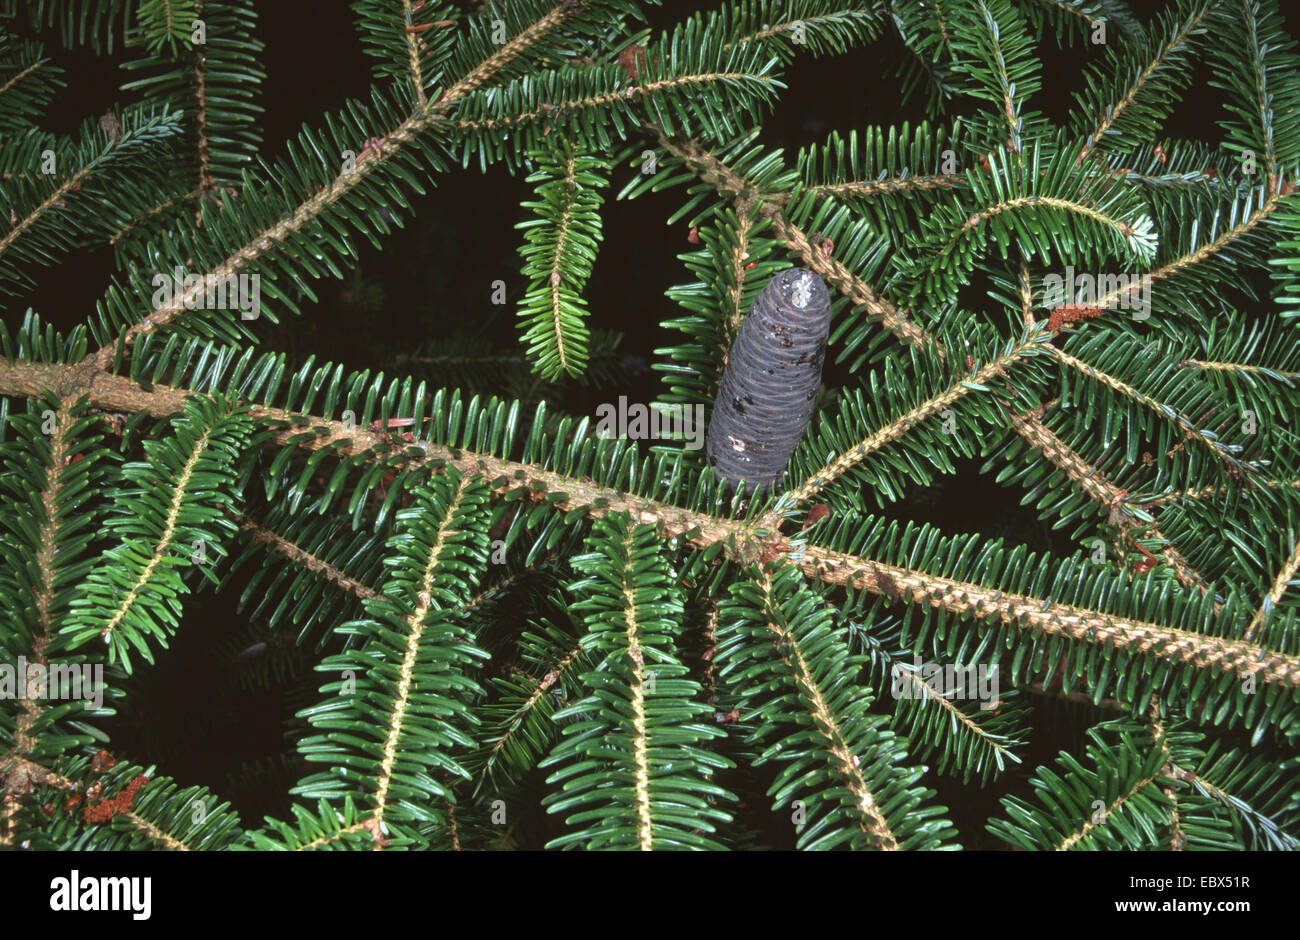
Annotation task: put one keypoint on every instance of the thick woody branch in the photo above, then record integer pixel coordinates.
(737, 538)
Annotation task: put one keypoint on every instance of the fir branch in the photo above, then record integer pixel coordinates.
(164, 527)
(1219, 654)
(1113, 804)
(663, 795)
(897, 321)
(1083, 698)
(979, 743)
(46, 540)
(342, 184)
(750, 199)
(992, 48)
(515, 723)
(735, 310)
(1240, 808)
(559, 251)
(1208, 253)
(881, 437)
(33, 82)
(867, 189)
(1241, 367)
(1101, 816)
(1093, 482)
(1285, 577)
(1266, 91)
(304, 559)
(412, 687)
(870, 820)
(1185, 424)
(415, 620)
(1157, 72)
(1237, 657)
(788, 672)
(126, 229)
(1212, 492)
(96, 157)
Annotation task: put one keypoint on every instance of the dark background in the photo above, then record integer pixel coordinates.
(433, 278)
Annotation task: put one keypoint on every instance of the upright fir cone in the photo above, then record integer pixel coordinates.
(766, 395)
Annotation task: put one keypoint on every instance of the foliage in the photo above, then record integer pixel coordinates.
(495, 628)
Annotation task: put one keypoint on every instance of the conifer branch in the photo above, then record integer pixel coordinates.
(365, 825)
(1094, 483)
(1213, 249)
(882, 437)
(1168, 773)
(54, 200)
(21, 75)
(164, 839)
(749, 199)
(1001, 50)
(641, 785)
(417, 73)
(1185, 424)
(785, 25)
(1094, 627)
(1240, 368)
(201, 127)
(937, 698)
(702, 531)
(562, 232)
(1025, 289)
(422, 122)
(1052, 202)
(541, 687)
(1100, 817)
(1177, 43)
(897, 321)
(1209, 251)
(46, 556)
(596, 102)
(164, 546)
(1083, 698)
(735, 295)
(1280, 585)
(1212, 492)
(299, 556)
(870, 820)
(866, 189)
(416, 624)
(153, 212)
(1233, 803)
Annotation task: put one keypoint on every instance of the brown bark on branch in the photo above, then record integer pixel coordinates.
(739, 539)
